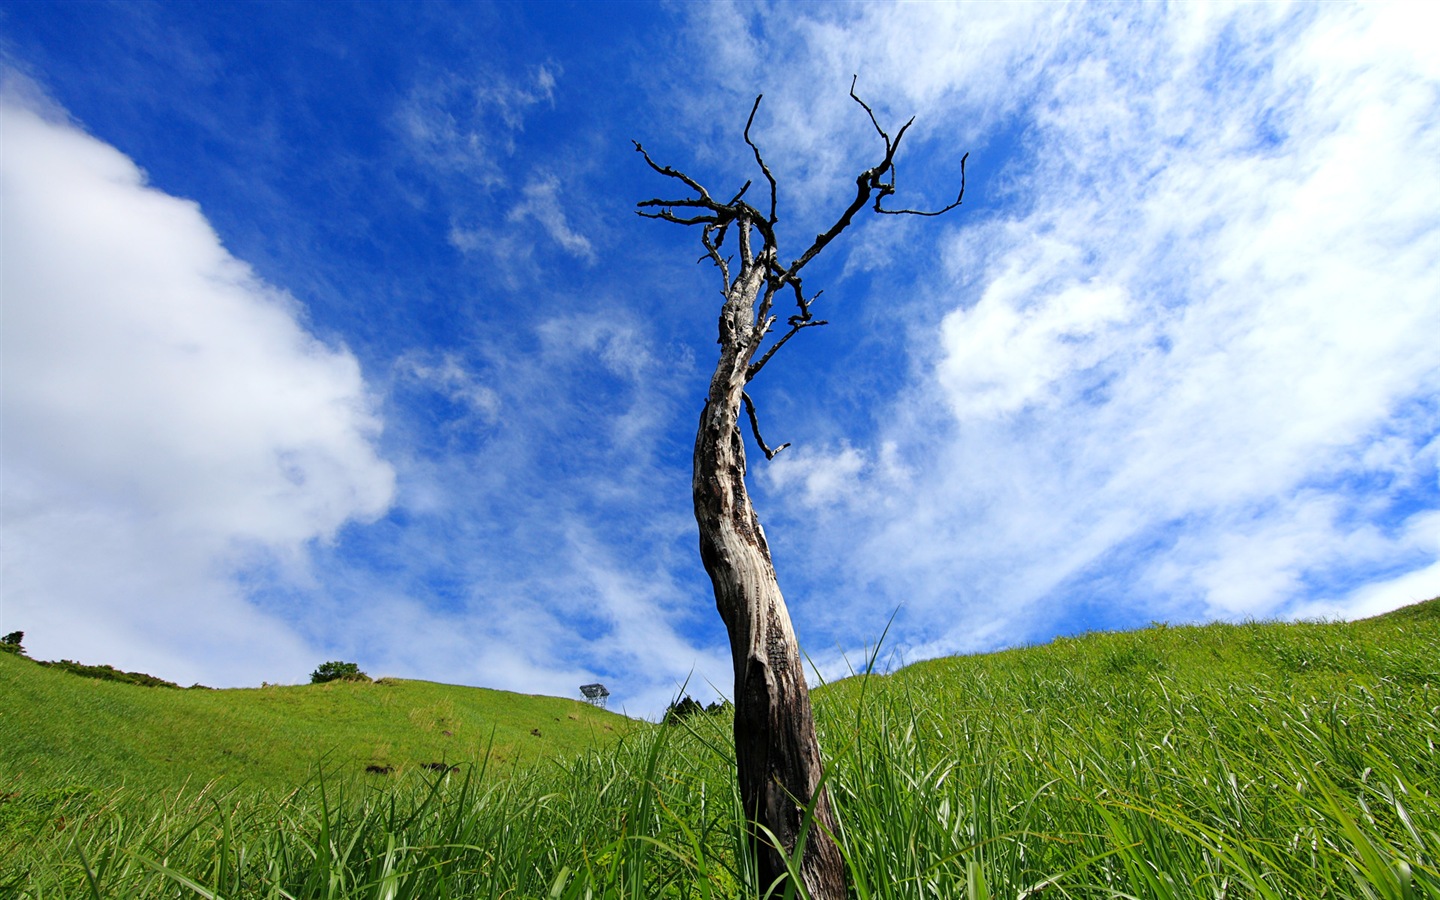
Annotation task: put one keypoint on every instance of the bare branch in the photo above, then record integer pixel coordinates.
(916, 212)
(865, 106)
(872, 186)
(689, 202)
(667, 216)
(672, 173)
(868, 181)
(755, 428)
(712, 250)
(760, 160)
(802, 302)
(871, 181)
(795, 325)
(864, 184)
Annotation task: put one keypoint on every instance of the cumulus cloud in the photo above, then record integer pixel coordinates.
(169, 421)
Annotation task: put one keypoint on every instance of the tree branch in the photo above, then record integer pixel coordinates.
(760, 160)
(687, 202)
(796, 323)
(668, 216)
(712, 249)
(872, 186)
(866, 182)
(917, 212)
(873, 121)
(691, 183)
(755, 428)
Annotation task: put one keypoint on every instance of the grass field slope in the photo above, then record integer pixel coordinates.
(1261, 760)
(53, 723)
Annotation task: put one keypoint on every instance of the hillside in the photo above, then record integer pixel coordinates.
(1401, 645)
(54, 724)
(1261, 760)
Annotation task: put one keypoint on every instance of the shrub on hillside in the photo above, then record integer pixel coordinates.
(337, 671)
(10, 643)
(107, 673)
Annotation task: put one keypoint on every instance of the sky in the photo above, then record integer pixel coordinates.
(330, 333)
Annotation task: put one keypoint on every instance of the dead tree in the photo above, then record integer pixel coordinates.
(777, 757)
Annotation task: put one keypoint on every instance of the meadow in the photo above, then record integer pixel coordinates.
(273, 737)
(1261, 760)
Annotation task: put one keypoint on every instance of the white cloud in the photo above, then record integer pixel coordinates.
(1022, 339)
(447, 374)
(546, 546)
(1421, 533)
(541, 204)
(820, 478)
(468, 124)
(960, 69)
(510, 246)
(1161, 380)
(463, 129)
(1280, 250)
(168, 420)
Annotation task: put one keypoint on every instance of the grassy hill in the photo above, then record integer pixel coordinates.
(55, 725)
(1398, 646)
(1241, 761)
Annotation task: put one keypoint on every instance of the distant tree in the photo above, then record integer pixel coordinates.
(778, 764)
(11, 643)
(337, 671)
(682, 709)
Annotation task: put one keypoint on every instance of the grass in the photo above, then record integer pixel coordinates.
(54, 724)
(1248, 761)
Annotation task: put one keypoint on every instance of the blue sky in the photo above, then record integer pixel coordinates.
(330, 332)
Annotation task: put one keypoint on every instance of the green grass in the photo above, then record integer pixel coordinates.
(54, 724)
(1249, 761)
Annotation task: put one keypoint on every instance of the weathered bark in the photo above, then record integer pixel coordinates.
(777, 755)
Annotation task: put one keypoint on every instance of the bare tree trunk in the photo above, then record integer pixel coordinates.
(777, 756)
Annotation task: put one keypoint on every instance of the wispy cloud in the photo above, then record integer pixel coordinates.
(541, 203)
(467, 125)
(463, 131)
(1189, 359)
(1170, 360)
(541, 536)
(962, 70)
(445, 372)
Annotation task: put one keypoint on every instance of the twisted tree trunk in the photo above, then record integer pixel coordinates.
(777, 756)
